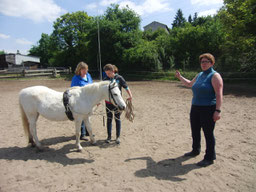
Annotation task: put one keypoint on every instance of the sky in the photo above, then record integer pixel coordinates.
(23, 21)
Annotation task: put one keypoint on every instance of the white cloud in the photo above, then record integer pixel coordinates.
(108, 2)
(3, 36)
(206, 2)
(38, 11)
(151, 6)
(208, 12)
(95, 8)
(141, 7)
(92, 6)
(23, 41)
(137, 8)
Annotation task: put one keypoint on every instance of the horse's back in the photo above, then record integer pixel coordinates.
(35, 93)
(34, 90)
(43, 100)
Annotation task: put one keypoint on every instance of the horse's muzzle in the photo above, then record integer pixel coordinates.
(121, 108)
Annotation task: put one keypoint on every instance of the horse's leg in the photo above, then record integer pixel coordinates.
(30, 137)
(78, 123)
(31, 141)
(32, 118)
(88, 125)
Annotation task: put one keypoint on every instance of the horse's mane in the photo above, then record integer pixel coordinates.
(90, 87)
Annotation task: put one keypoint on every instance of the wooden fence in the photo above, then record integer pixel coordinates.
(19, 73)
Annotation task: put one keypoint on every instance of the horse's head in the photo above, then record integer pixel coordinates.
(115, 96)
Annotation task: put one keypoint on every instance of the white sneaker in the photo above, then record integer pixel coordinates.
(108, 140)
(118, 140)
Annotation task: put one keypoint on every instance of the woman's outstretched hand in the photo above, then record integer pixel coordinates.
(177, 74)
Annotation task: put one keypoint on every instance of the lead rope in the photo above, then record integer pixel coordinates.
(129, 114)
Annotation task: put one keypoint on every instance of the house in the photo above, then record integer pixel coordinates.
(14, 60)
(156, 25)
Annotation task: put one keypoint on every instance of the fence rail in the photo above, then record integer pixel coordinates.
(19, 73)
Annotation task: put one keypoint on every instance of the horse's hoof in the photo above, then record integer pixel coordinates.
(79, 148)
(93, 142)
(31, 145)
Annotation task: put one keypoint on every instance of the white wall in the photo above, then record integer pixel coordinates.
(23, 58)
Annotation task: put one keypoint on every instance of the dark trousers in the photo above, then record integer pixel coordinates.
(202, 117)
(110, 108)
(83, 130)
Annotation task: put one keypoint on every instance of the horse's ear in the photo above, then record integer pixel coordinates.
(113, 82)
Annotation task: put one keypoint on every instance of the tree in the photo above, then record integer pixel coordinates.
(126, 18)
(143, 57)
(44, 49)
(195, 16)
(188, 42)
(179, 20)
(70, 34)
(119, 31)
(239, 22)
(201, 20)
(190, 20)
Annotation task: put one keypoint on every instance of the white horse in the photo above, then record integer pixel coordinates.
(40, 100)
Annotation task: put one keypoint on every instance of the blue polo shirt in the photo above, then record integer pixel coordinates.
(77, 80)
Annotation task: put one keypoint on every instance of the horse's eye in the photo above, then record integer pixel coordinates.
(115, 94)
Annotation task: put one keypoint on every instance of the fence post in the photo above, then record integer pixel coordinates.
(54, 72)
(23, 73)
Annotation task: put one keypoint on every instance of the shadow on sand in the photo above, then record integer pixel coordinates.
(168, 169)
(50, 155)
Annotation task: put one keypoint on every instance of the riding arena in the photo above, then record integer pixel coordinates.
(150, 156)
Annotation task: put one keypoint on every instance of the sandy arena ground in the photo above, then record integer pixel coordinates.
(150, 156)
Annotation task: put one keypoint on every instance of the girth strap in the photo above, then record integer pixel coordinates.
(66, 105)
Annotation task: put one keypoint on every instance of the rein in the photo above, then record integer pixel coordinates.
(110, 95)
(129, 114)
(66, 105)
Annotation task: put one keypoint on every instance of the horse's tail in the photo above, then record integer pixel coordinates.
(24, 121)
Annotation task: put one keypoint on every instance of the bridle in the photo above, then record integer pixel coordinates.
(110, 94)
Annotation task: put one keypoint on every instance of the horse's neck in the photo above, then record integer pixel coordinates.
(96, 93)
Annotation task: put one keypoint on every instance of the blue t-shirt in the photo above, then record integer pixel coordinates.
(77, 80)
(203, 91)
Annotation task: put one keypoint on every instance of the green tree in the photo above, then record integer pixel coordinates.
(239, 21)
(70, 34)
(164, 51)
(188, 42)
(119, 31)
(190, 20)
(195, 17)
(201, 20)
(179, 20)
(143, 57)
(44, 49)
